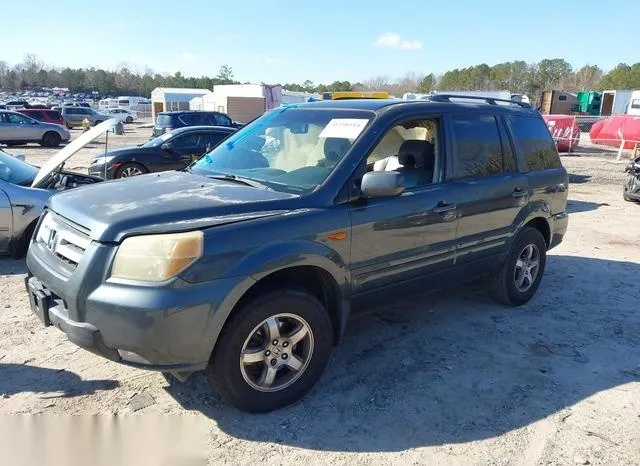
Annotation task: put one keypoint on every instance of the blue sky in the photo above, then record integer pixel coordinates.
(290, 41)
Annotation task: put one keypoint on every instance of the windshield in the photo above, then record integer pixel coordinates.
(15, 171)
(157, 142)
(288, 148)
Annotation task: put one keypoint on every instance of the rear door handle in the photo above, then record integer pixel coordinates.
(442, 208)
(518, 193)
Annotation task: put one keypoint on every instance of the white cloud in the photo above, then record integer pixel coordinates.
(394, 41)
(188, 56)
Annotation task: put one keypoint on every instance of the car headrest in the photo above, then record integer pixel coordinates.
(407, 160)
(335, 148)
(423, 152)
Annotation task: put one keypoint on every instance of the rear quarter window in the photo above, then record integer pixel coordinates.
(163, 120)
(531, 135)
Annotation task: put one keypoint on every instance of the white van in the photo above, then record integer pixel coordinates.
(128, 101)
(634, 104)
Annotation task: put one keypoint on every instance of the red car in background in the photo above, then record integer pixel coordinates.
(45, 116)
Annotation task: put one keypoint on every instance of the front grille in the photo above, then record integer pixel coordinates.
(64, 241)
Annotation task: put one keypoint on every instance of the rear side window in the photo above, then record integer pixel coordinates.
(222, 120)
(534, 140)
(163, 121)
(477, 146)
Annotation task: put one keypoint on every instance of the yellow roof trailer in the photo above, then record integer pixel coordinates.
(339, 95)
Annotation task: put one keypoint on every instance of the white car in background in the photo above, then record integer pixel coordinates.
(121, 114)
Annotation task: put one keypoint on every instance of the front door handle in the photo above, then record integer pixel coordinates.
(443, 208)
(518, 193)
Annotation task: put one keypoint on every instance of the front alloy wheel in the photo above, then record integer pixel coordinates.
(276, 353)
(272, 350)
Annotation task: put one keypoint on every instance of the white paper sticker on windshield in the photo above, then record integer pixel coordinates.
(348, 128)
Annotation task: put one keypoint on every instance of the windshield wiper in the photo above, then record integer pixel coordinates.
(239, 180)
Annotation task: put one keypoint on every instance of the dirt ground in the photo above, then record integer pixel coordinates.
(440, 378)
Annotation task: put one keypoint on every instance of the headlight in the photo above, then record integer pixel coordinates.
(156, 258)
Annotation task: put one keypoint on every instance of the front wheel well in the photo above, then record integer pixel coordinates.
(311, 279)
(542, 225)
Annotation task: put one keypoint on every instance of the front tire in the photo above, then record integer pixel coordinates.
(50, 139)
(520, 275)
(272, 351)
(128, 120)
(130, 169)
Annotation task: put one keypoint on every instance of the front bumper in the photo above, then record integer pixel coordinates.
(171, 327)
(98, 169)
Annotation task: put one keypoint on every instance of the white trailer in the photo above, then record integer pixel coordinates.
(615, 102)
(634, 104)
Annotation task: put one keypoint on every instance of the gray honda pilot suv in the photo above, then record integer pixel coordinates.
(248, 263)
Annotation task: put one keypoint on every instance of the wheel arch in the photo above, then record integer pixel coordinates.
(542, 225)
(309, 270)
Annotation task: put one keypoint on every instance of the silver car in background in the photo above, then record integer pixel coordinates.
(24, 189)
(16, 129)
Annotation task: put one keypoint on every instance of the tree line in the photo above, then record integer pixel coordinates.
(516, 76)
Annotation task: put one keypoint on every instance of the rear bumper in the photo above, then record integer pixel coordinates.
(558, 225)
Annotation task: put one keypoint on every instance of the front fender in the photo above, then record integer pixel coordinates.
(275, 257)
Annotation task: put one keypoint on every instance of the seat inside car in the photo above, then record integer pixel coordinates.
(415, 159)
(334, 149)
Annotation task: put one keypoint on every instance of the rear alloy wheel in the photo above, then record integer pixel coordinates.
(51, 139)
(130, 169)
(128, 119)
(272, 351)
(518, 279)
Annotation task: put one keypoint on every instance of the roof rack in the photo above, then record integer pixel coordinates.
(489, 100)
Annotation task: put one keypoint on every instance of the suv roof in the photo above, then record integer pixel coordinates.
(183, 112)
(187, 129)
(438, 101)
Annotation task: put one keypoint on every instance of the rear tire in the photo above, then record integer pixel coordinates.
(128, 119)
(50, 139)
(517, 280)
(290, 336)
(130, 169)
(625, 196)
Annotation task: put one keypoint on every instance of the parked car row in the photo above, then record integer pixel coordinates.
(16, 129)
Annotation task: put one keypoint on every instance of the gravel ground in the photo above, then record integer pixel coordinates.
(440, 378)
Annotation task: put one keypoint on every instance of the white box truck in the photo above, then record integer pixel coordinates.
(615, 102)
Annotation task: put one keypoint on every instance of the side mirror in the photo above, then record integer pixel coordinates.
(166, 146)
(382, 184)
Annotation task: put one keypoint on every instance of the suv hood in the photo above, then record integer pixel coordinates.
(164, 202)
(67, 151)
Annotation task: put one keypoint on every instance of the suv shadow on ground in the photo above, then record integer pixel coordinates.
(454, 367)
(48, 381)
